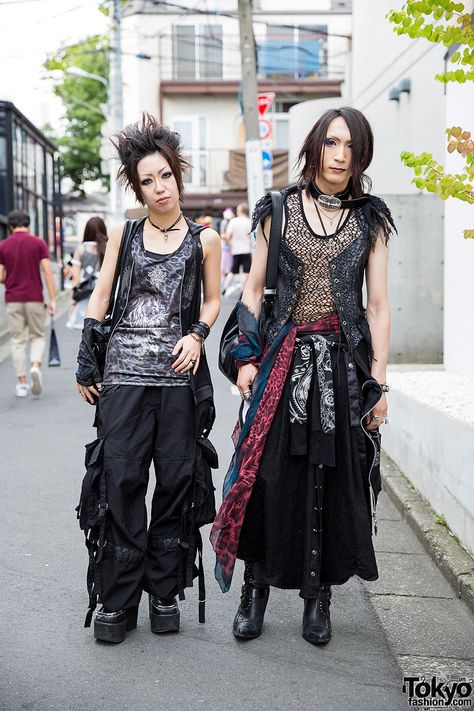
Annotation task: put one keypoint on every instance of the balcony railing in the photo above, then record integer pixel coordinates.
(278, 58)
(220, 170)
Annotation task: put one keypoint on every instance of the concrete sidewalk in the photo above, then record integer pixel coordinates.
(408, 622)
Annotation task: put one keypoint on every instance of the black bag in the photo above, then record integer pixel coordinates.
(230, 333)
(84, 289)
(54, 357)
(103, 329)
(204, 501)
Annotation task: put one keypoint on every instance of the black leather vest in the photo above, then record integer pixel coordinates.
(190, 307)
(347, 276)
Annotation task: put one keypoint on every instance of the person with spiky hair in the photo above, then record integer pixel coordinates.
(153, 393)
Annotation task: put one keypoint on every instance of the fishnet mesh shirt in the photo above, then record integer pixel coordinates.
(315, 298)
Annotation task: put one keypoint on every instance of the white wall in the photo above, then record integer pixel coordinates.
(436, 453)
(458, 252)
(416, 122)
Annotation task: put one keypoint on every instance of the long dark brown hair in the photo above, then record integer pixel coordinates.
(362, 149)
(96, 231)
(141, 139)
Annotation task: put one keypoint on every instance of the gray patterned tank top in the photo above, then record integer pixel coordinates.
(140, 349)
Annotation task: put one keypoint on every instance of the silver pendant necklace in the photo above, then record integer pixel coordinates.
(331, 218)
(164, 230)
(332, 239)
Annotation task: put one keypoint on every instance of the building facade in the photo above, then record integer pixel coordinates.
(191, 80)
(29, 177)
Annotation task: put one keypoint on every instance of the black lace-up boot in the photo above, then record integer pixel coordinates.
(316, 617)
(112, 626)
(164, 614)
(248, 621)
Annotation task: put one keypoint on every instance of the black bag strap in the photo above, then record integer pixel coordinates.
(128, 232)
(273, 249)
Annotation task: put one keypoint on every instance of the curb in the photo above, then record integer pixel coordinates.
(454, 562)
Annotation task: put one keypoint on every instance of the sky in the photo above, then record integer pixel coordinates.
(29, 30)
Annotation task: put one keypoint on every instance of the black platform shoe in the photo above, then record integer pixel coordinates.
(164, 614)
(112, 626)
(248, 621)
(316, 617)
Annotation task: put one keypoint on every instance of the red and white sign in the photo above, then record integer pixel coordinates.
(265, 101)
(265, 128)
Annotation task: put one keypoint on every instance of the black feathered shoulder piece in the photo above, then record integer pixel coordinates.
(378, 217)
(263, 207)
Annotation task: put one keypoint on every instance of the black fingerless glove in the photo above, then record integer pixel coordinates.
(88, 370)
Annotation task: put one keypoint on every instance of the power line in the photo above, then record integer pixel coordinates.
(235, 16)
(372, 81)
(394, 79)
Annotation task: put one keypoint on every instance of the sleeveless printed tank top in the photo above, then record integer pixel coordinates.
(140, 350)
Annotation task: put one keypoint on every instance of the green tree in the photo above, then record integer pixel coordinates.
(443, 22)
(82, 97)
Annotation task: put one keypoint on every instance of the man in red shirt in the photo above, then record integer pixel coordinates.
(23, 257)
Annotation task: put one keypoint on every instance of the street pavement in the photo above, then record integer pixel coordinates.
(50, 662)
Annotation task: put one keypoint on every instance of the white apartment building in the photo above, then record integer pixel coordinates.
(191, 75)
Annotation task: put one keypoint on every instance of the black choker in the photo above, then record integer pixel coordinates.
(165, 230)
(335, 202)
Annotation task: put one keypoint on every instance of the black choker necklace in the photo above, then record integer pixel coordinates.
(165, 230)
(335, 202)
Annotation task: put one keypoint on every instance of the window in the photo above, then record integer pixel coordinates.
(197, 52)
(193, 132)
(288, 51)
(280, 132)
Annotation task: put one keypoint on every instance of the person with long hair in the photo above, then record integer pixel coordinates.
(86, 263)
(301, 491)
(154, 393)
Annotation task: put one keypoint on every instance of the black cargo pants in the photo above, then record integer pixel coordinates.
(140, 425)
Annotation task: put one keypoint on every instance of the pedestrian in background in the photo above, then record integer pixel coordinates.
(238, 234)
(155, 394)
(300, 494)
(226, 261)
(23, 258)
(86, 264)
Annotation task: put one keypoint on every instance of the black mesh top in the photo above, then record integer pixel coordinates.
(315, 297)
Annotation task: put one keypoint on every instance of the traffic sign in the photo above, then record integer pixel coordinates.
(264, 101)
(267, 160)
(265, 128)
(267, 179)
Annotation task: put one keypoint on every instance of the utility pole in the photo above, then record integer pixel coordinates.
(253, 153)
(115, 105)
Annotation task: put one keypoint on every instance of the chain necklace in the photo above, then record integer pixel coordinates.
(165, 230)
(332, 239)
(331, 218)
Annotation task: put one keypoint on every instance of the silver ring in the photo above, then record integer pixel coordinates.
(246, 395)
(386, 421)
(374, 418)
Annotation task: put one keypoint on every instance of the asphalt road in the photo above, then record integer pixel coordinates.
(50, 662)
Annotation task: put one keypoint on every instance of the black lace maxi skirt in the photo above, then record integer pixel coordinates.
(311, 523)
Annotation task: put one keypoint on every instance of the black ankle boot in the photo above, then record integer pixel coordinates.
(112, 626)
(316, 618)
(248, 621)
(164, 614)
